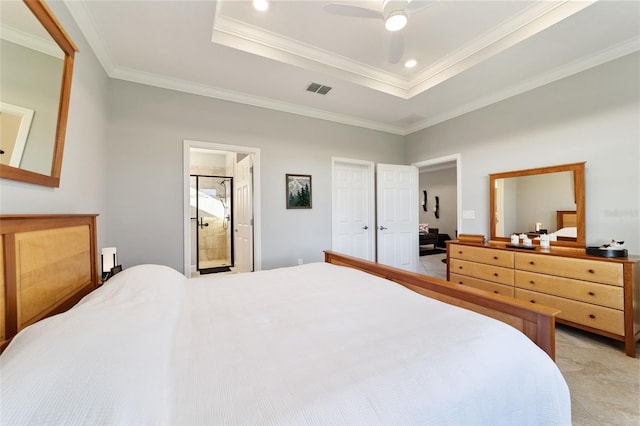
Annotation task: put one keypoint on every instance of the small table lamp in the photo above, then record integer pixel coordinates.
(110, 265)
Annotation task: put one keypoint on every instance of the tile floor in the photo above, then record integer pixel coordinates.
(432, 265)
(603, 381)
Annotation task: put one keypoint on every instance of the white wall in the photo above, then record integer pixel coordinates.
(125, 161)
(83, 179)
(593, 116)
(147, 126)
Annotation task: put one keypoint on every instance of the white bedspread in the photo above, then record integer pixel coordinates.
(313, 344)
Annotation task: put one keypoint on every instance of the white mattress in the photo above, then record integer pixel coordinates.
(570, 232)
(313, 344)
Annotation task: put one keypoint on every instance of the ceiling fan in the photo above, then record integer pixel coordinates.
(394, 13)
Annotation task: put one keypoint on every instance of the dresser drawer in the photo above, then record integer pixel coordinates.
(599, 317)
(581, 269)
(585, 291)
(489, 256)
(501, 289)
(482, 271)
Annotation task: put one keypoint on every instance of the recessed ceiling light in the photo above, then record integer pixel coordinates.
(410, 63)
(261, 5)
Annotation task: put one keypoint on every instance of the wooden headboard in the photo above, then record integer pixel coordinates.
(566, 218)
(47, 264)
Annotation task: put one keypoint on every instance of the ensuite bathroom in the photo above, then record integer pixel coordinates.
(211, 198)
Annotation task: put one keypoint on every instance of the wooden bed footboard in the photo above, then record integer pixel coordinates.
(536, 322)
(47, 264)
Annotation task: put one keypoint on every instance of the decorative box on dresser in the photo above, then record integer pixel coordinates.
(597, 294)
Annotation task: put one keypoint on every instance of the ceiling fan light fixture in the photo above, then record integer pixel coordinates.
(395, 21)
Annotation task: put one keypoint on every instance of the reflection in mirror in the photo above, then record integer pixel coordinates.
(548, 199)
(15, 123)
(36, 68)
(528, 202)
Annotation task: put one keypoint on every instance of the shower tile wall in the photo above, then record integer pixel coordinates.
(213, 243)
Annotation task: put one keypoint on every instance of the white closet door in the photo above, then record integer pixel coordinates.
(243, 219)
(397, 214)
(353, 217)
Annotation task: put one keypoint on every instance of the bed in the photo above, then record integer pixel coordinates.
(567, 222)
(343, 341)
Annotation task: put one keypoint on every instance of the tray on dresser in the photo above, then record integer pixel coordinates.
(521, 247)
(597, 251)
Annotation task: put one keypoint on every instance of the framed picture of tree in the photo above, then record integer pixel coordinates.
(298, 191)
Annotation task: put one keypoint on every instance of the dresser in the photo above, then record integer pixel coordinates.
(593, 293)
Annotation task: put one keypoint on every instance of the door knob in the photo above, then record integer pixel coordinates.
(382, 228)
(365, 227)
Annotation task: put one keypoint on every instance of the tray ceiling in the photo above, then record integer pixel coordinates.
(469, 53)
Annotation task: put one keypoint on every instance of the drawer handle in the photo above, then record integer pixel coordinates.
(460, 252)
(531, 282)
(495, 291)
(591, 293)
(459, 267)
(495, 257)
(532, 301)
(460, 282)
(592, 316)
(591, 271)
(532, 263)
(495, 274)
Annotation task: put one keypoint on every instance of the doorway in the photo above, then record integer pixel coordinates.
(221, 230)
(211, 203)
(439, 210)
(443, 212)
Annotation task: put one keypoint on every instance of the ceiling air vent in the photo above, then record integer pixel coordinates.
(318, 88)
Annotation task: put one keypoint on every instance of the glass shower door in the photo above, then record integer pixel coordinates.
(212, 222)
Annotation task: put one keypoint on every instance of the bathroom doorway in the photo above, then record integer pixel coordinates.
(211, 203)
(239, 167)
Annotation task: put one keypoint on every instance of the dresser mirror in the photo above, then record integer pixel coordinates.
(36, 70)
(541, 200)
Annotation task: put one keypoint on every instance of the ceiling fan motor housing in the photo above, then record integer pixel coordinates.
(391, 6)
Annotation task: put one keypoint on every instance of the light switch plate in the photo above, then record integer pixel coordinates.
(468, 214)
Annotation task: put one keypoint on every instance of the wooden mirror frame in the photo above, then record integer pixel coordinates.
(578, 181)
(53, 27)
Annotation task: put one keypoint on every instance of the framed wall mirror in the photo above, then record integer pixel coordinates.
(541, 200)
(35, 85)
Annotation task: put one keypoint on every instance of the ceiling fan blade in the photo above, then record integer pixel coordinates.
(416, 6)
(352, 11)
(396, 49)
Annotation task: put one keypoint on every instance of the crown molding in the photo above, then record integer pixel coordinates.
(516, 29)
(537, 17)
(622, 49)
(87, 26)
(242, 36)
(30, 41)
(164, 82)
(85, 23)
